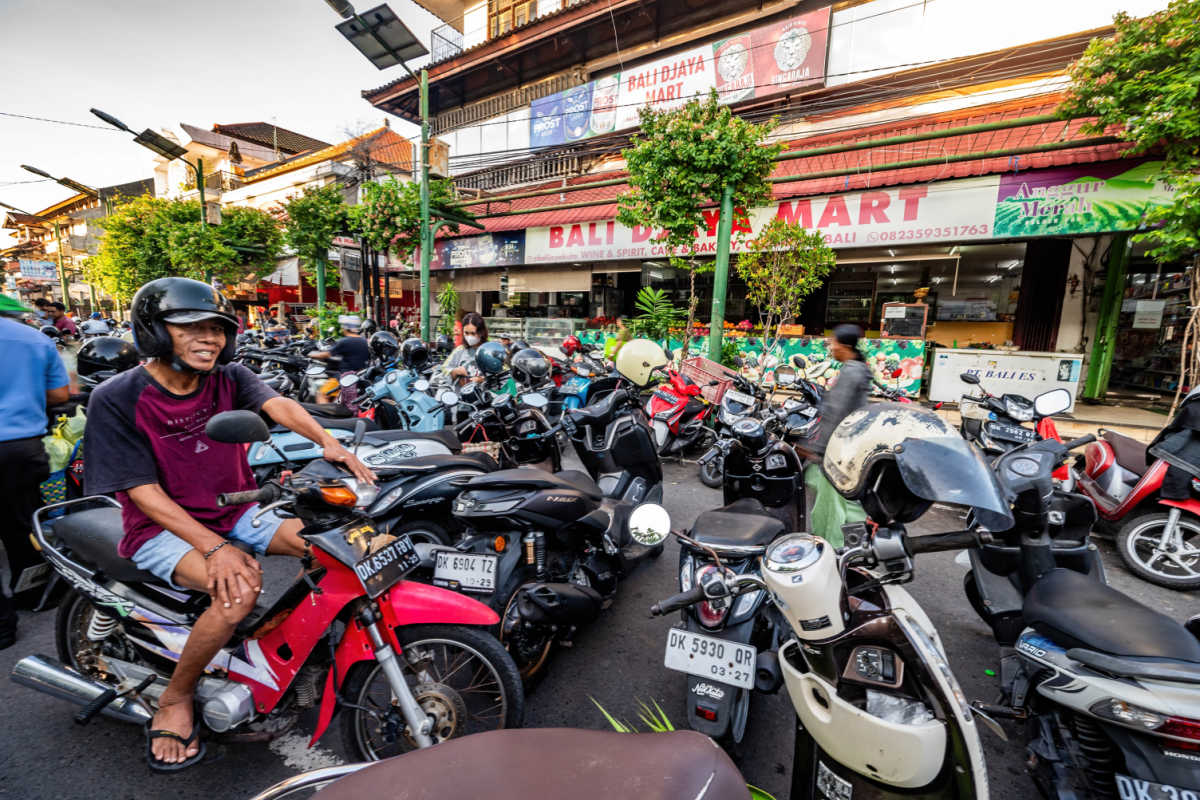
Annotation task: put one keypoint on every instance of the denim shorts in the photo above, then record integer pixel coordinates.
(163, 553)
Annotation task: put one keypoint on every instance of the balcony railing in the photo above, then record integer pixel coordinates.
(565, 165)
(444, 42)
(220, 181)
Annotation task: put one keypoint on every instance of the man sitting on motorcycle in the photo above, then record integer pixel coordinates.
(146, 441)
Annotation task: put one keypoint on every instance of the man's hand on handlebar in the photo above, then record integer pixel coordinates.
(335, 452)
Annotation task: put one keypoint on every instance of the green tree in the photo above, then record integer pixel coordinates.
(680, 162)
(787, 264)
(146, 238)
(389, 216)
(1145, 80)
(310, 221)
(447, 301)
(657, 315)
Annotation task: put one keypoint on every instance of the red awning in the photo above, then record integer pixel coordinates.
(547, 209)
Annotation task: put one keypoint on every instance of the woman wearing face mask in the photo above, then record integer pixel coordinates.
(459, 366)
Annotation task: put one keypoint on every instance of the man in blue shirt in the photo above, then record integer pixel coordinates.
(35, 379)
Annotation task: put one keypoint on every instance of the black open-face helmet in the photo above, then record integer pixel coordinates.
(105, 353)
(384, 346)
(368, 328)
(751, 433)
(490, 358)
(180, 301)
(529, 367)
(443, 344)
(414, 353)
(51, 331)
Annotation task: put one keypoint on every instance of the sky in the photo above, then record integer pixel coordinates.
(159, 63)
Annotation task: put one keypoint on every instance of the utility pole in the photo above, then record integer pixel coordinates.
(720, 277)
(62, 271)
(426, 229)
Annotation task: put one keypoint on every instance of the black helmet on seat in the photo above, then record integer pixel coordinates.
(384, 346)
(414, 353)
(751, 433)
(490, 358)
(442, 344)
(529, 367)
(180, 301)
(105, 353)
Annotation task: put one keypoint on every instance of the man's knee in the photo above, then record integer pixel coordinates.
(235, 613)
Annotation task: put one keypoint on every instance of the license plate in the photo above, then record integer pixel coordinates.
(1012, 433)
(710, 657)
(831, 785)
(384, 568)
(1136, 789)
(466, 571)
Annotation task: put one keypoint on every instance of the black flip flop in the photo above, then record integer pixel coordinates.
(163, 766)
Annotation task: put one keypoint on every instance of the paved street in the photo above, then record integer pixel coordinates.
(43, 754)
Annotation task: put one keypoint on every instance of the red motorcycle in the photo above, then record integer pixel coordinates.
(679, 415)
(1159, 540)
(409, 665)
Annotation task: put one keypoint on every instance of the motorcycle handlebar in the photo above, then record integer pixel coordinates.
(678, 601)
(1080, 442)
(264, 495)
(939, 542)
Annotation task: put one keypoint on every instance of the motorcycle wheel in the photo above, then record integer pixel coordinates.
(1137, 543)
(422, 531)
(712, 474)
(75, 614)
(465, 680)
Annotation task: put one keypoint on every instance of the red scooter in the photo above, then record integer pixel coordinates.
(679, 415)
(1159, 540)
(409, 665)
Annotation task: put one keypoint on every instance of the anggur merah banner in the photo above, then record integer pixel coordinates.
(1082, 199)
(774, 58)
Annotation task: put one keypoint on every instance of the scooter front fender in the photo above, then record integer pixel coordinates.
(408, 603)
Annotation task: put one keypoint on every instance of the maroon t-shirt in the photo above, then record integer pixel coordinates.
(138, 433)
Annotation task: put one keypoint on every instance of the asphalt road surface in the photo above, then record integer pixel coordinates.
(617, 661)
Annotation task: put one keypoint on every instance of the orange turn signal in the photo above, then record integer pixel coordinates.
(338, 495)
(499, 544)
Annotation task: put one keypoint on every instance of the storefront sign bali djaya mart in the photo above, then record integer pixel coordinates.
(34, 270)
(774, 58)
(1087, 199)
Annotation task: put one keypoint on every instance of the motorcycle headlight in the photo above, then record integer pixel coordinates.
(366, 492)
(1021, 412)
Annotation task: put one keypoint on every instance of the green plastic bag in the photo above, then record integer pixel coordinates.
(830, 510)
(60, 442)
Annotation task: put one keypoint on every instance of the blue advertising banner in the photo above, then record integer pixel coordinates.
(38, 270)
(546, 128)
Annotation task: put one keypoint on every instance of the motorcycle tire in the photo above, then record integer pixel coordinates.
(712, 474)
(1135, 545)
(443, 701)
(421, 531)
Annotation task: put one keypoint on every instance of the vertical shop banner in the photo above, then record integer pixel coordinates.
(546, 122)
(577, 112)
(791, 53)
(488, 250)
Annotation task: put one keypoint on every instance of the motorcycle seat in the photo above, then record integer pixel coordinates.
(599, 412)
(93, 536)
(424, 464)
(334, 423)
(534, 478)
(1129, 453)
(336, 410)
(587, 765)
(1080, 612)
(743, 524)
(446, 437)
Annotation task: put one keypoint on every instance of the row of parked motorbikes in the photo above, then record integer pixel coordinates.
(439, 593)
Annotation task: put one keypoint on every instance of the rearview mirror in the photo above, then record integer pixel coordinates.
(535, 400)
(237, 427)
(421, 385)
(897, 372)
(349, 380)
(1055, 401)
(785, 376)
(448, 398)
(799, 361)
(649, 524)
(969, 377)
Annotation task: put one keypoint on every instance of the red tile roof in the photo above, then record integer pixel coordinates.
(546, 210)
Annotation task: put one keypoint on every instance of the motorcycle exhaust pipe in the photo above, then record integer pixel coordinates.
(559, 604)
(51, 677)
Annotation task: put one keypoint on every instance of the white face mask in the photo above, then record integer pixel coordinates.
(472, 341)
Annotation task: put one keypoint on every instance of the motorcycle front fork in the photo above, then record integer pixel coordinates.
(419, 723)
(1170, 542)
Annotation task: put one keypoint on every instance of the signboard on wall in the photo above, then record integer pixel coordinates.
(774, 58)
(1091, 198)
(36, 270)
(1023, 373)
(488, 250)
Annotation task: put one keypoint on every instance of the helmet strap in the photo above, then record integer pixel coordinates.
(179, 365)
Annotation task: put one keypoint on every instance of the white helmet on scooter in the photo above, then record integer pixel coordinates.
(638, 358)
(897, 459)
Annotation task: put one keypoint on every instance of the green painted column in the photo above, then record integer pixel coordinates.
(426, 231)
(320, 284)
(1100, 363)
(720, 275)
